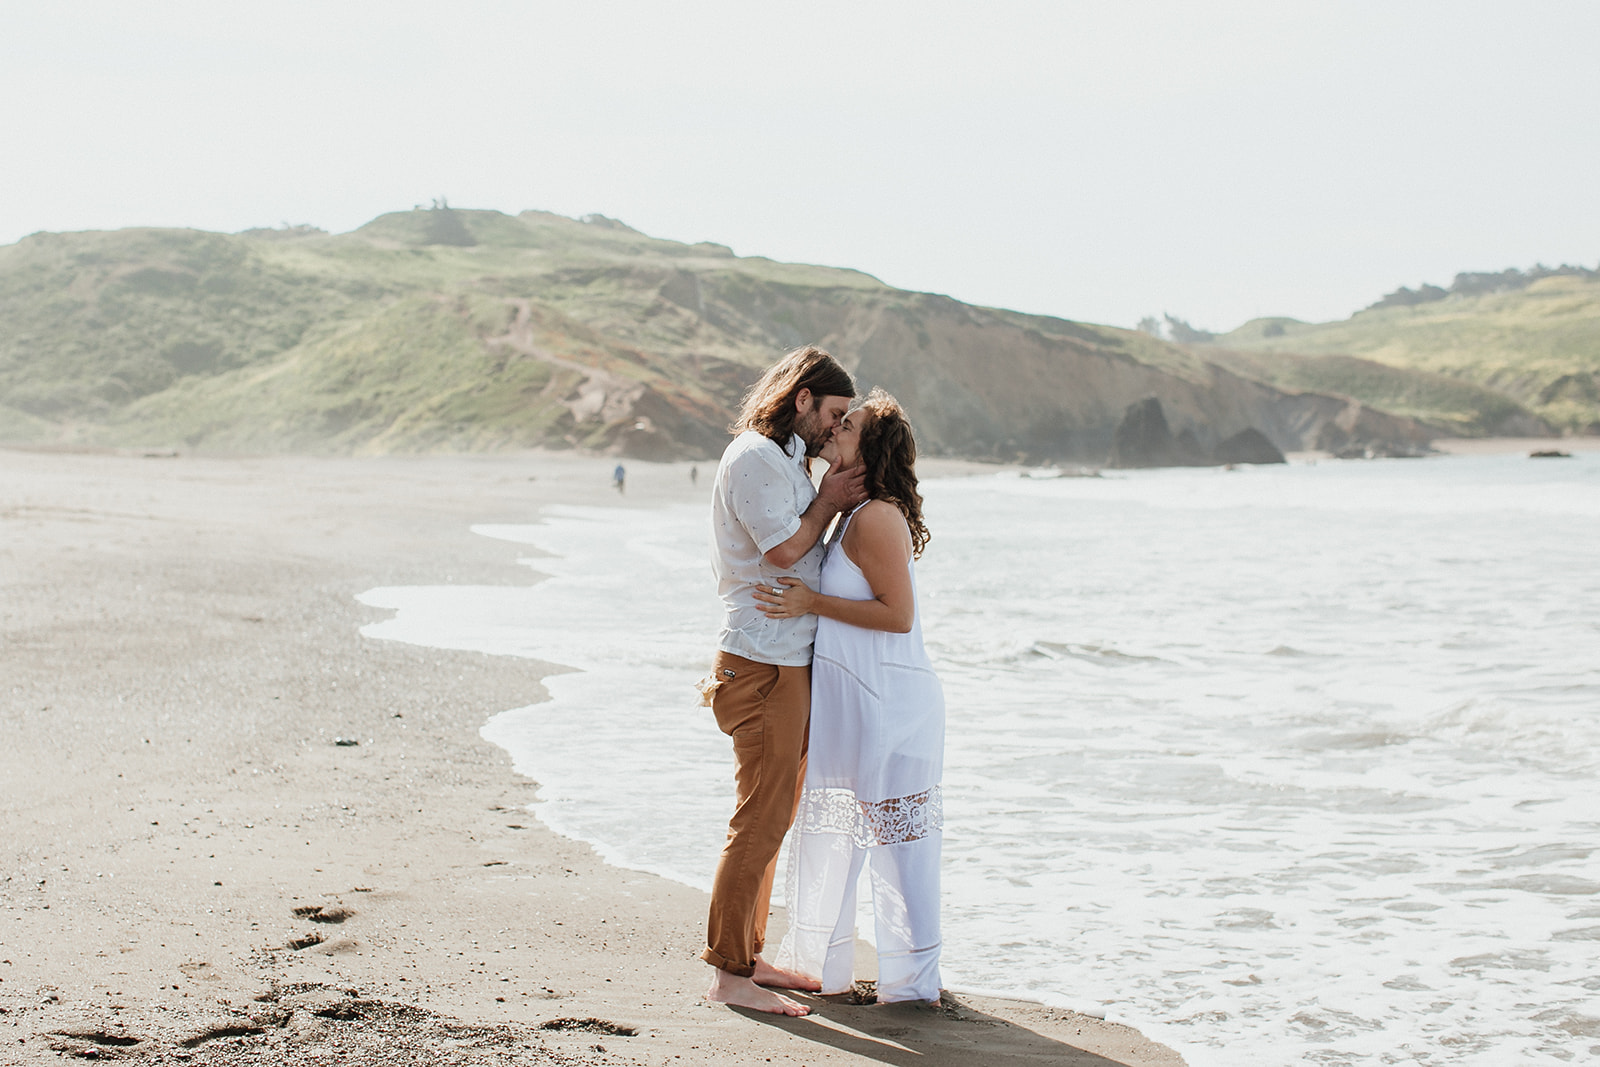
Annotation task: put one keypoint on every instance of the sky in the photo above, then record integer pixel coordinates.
(1100, 160)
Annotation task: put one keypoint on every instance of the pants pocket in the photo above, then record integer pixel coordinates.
(739, 690)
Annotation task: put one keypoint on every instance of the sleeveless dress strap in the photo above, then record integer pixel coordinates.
(844, 524)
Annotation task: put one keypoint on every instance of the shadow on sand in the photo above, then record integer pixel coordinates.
(926, 1035)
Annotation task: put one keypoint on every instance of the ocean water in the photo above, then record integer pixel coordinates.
(1281, 765)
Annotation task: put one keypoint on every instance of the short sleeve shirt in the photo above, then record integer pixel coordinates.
(761, 490)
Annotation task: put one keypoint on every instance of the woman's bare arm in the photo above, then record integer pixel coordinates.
(879, 542)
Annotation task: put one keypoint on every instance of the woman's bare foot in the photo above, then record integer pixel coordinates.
(735, 989)
(777, 978)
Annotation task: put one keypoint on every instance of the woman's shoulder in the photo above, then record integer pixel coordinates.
(878, 512)
(879, 519)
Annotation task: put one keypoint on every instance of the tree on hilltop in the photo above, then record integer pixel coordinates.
(1171, 328)
(1407, 297)
(1180, 331)
(1482, 283)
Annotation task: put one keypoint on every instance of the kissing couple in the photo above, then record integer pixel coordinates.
(821, 680)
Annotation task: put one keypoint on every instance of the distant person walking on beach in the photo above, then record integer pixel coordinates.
(619, 478)
(767, 521)
(872, 783)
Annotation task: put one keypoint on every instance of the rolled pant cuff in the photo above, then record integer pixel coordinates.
(722, 963)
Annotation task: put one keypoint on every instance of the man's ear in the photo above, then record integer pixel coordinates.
(803, 402)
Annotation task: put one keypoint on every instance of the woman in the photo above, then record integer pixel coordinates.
(877, 730)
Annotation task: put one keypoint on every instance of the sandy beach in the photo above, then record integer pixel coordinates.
(1502, 446)
(237, 831)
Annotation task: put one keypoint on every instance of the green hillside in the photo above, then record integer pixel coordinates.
(376, 340)
(456, 330)
(1536, 347)
(1458, 407)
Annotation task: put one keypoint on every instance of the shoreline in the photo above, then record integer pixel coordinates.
(928, 466)
(1497, 446)
(600, 807)
(200, 870)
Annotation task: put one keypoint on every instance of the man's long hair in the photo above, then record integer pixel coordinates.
(768, 407)
(889, 453)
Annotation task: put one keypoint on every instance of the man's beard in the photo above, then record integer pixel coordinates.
(809, 427)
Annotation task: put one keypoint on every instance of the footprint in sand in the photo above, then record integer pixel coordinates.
(214, 1033)
(590, 1025)
(90, 1043)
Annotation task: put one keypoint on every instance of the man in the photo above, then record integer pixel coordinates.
(767, 521)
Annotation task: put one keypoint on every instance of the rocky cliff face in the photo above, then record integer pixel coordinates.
(1143, 439)
(982, 382)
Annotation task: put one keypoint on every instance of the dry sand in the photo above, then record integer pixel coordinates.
(1500, 446)
(197, 871)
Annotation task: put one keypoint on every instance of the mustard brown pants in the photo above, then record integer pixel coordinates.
(766, 709)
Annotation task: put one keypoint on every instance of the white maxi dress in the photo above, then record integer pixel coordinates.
(871, 798)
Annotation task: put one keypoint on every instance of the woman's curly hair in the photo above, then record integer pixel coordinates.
(889, 452)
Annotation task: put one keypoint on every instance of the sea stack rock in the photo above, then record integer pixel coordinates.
(1143, 439)
(1248, 446)
(1358, 432)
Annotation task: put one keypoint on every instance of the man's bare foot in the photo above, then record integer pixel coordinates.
(734, 989)
(777, 978)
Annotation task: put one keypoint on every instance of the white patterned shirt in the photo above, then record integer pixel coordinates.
(760, 492)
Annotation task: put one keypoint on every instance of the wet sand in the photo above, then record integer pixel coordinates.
(236, 831)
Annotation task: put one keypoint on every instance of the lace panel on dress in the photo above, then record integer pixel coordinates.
(882, 822)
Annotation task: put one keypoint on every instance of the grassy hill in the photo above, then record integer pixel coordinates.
(1452, 405)
(1469, 361)
(372, 341)
(473, 330)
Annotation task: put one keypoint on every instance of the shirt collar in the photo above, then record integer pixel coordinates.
(796, 448)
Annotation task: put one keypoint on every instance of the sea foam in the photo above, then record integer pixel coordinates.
(1280, 765)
